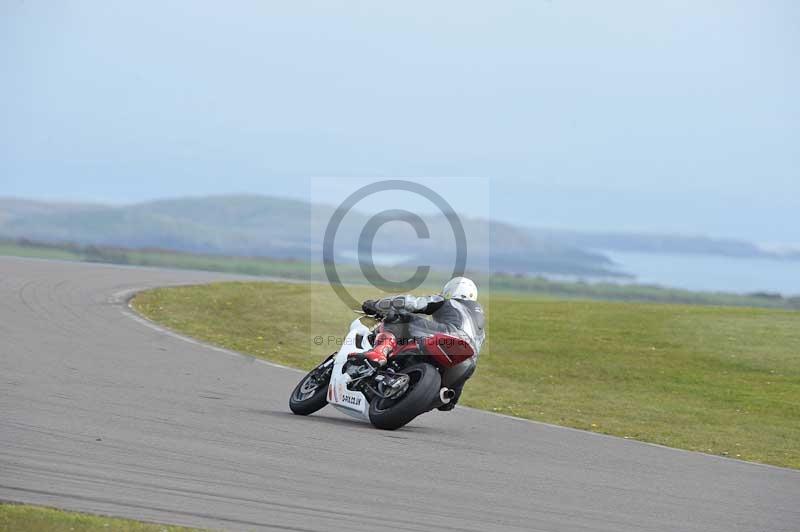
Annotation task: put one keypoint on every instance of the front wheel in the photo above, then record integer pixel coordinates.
(311, 393)
(423, 387)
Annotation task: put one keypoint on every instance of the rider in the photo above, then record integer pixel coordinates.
(455, 312)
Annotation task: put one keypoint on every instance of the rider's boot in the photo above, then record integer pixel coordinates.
(385, 343)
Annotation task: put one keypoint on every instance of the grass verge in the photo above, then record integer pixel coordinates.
(26, 518)
(713, 379)
(719, 380)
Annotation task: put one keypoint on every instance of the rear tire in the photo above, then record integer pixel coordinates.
(311, 393)
(389, 414)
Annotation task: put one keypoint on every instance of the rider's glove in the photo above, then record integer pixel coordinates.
(369, 307)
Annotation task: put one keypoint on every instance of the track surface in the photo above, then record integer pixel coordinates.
(102, 413)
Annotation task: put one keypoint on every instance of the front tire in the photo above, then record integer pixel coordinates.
(391, 414)
(311, 393)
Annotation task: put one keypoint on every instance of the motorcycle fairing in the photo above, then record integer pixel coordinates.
(350, 402)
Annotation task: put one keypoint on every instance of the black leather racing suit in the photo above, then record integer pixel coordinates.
(423, 316)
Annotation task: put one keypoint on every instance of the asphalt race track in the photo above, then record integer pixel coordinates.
(103, 412)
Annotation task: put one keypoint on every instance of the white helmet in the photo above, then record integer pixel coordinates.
(460, 288)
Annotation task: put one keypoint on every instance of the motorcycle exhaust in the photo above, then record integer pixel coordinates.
(446, 395)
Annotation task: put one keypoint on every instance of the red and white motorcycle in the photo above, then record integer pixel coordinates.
(415, 379)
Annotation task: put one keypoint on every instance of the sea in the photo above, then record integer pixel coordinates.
(711, 273)
(707, 273)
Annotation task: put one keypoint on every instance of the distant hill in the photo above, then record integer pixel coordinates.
(661, 243)
(259, 226)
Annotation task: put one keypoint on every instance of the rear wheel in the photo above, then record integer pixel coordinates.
(311, 393)
(423, 386)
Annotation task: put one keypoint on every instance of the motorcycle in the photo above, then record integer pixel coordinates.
(417, 378)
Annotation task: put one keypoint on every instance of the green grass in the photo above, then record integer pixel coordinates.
(720, 380)
(38, 252)
(25, 518)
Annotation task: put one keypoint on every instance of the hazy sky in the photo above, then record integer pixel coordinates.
(679, 116)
